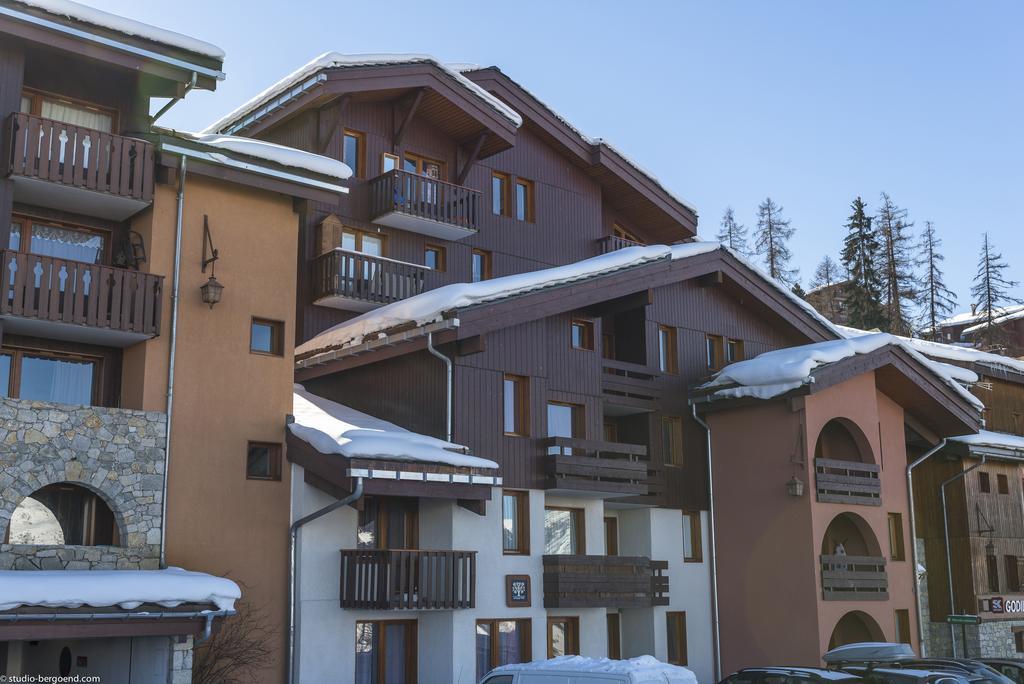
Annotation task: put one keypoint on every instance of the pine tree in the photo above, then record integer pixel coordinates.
(991, 292)
(936, 299)
(896, 265)
(770, 238)
(860, 259)
(733, 235)
(825, 277)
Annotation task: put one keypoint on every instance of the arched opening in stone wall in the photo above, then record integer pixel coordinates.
(842, 440)
(63, 513)
(853, 534)
(855, 627)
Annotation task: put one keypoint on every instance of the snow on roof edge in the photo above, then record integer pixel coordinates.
(272, 152)
(993, 439)
(90, 15)
(998, 320)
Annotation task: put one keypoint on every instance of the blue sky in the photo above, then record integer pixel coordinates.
(811, 103)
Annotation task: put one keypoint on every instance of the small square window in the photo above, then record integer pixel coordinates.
(434, 257)
(583, 335)
(733, 351)
(266, 337)
(263, 461)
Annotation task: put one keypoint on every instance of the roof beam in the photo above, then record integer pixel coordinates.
(399, 136)
(325, 133)
(474, 155)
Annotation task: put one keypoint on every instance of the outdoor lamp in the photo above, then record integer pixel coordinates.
(795, 486)
(211, 290)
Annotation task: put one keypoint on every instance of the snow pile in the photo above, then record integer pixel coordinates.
(430, 306)
(129, 27)
(1013, 313)
(998, 440)
(278, 154)
(332, 428)
(782, 370)
(639, 670)
(336, 60)
(973, 317)
(128, 589)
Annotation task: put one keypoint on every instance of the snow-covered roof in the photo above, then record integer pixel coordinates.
(819, 288)
(306, 162)
(127, 589)
(972, 317)
(129, 27)
(997, 440)
(332, 428)
(337, 60)
(1013, 313)
(776, 372)
(949, 352)
(640, 670)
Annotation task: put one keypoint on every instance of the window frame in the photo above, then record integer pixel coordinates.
(276, 336)
(902, 620)
(1002, 483)
(668, 456)
(380, 659)
(1011, 566)
(572, 634)
(275, 458)
(714, 346)
(18, 354)
(36, 97)
(420, 161)
(678, 617)
(26, 221)
(524, 625)
(984, 482)
(578, 418)
(359, 236)
(732, 343)
(611, 535)
(696, 537)
(614, 635)
(897, 543)
(579, 522)
(442, 257)
(671, 353)
(587, 336)
(528, 200)
(521, 418)
(1018, 639)
(522, 497)
(992, 573)
(389, 155)
(359, 170)
(485, 262)
(504, 207)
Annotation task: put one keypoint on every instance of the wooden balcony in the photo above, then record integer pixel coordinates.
(613, 243)
(604, 582)
(424, 205)
(854, 578)
(353, 281)
(392, 579)
(603, 469)
(119, 168)
(629, 387)
(100, 298)
(847, 482)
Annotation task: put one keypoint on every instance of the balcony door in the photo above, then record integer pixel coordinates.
(425, 166)
(388, 523)
(424, 190)
(385, 652)
(357, 241)
(564, 420)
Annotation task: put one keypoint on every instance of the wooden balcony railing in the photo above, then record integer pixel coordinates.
(595, 466)
(612, 243)
(630, 383)
(76, 156)
(365, 278)
(426, 198)
(386, 579)
(59, 290)
(847, 482)
(854, 578)
(604, 582)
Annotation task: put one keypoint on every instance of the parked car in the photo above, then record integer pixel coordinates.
(1008, 667)
(582, 670)
(790, 675)
(905, 675)
(885, 663)
(978, 670)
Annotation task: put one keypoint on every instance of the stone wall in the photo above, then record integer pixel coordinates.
(182, 652)
(116, 453)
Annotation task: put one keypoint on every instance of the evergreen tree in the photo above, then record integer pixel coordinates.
(826, 276)
(770, 241)
(991, 292)
(936, 299)
(732, 234)
(860, 259)
(896, 265)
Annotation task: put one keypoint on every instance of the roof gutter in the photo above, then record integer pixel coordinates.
(111, 43)
(207, 615)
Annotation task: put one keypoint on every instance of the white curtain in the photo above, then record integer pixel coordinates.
(77, 116)
(56, 380)
(65, 243)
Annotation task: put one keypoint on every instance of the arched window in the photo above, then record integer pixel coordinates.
(855, 627)
(853, 534)
(842, 440)
(64, 513)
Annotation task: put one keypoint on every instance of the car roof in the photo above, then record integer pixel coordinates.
(818, 672)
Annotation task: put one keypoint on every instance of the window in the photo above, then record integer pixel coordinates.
(1012, 573)
(61, 241)
(992, 568)
(425, 166)
(607, 345)
(565, 420)
(499, 193)
(353, 151)
(362, 242)
(672, 440)
(563, 636)
(501, 642)
(266, 337)
(49, 376)
(388, 522)
(984, 485)
(733, 351)
(388, 162)
(582, 334)
(515, 522)
(676, 634)
(902, 625)
(481, 265)
(434, 257)
(263, 461)
(896, 547)
(1002, 484)
(715, 351)
(73, 112)
(611, 431)
(563, 531)
(1018, 639)
(614, 637)
(693, 551)
(517, 405)
(667, 362)
(524, 199)
(385, 651)
(611, 536)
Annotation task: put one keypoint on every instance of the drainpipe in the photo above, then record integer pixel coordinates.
(949, 557)
(175, 100)
(713, 555)
(448, 374)
(913, 540)
(293, 568)
(178, 221)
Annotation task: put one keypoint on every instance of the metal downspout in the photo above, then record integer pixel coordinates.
(913, 540)
(713, 554)
(293, 566)
(949, 555)
(448, 378)
(178, 222)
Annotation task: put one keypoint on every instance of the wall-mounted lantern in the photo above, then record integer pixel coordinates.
(795, 487)
(211, 289)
